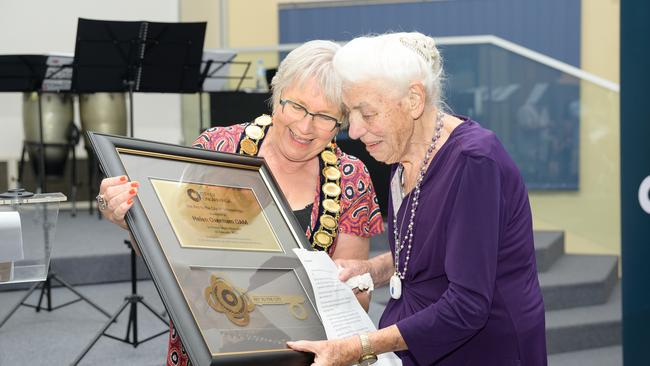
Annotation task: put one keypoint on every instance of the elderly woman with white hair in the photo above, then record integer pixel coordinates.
(330, 192)
(461, 270)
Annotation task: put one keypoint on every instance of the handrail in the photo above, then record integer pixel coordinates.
(480, 39)
(533, 55)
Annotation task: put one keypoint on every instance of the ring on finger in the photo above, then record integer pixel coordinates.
(102, 204)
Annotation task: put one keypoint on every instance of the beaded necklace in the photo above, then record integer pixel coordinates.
(407, 239)
(325, 230)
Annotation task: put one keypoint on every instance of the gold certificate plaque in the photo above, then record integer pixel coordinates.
(217, 236)
(216, 217)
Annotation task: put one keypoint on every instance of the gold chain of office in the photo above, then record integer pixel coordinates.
(324, 233)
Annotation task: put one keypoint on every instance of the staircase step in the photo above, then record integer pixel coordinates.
(549, 246)
(573, 280)
(568, 330)
(579, 280)
(606, 356)
(587, 327)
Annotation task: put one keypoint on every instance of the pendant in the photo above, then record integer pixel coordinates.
(395, 286)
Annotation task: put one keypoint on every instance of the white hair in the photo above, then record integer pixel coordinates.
(397, 59)
(313, 59)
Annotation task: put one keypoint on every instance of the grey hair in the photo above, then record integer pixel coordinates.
(397, 59)
(313, 59)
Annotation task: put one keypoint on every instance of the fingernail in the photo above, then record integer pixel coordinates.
(130, 201)
(135, 184)
(132, 191)
(123, 178)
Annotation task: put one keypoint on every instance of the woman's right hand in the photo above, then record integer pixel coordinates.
(349, 268)
(118, 194)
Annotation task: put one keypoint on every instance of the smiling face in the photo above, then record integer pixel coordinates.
(298, 139)
(381, 120)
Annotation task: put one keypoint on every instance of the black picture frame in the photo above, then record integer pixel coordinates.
(116, 156)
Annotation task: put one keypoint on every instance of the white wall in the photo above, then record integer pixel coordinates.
(42, 26)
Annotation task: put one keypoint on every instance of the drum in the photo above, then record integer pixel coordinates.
(58, 113)
(103, 112)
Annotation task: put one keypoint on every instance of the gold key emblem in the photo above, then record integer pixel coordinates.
(295, 302)
(237, 304)
(224, 298)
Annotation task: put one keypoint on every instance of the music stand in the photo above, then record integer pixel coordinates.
(216, 66)
(118, 56)
(26, 73)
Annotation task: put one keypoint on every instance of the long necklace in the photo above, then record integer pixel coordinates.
(324, 232)
(407, 239)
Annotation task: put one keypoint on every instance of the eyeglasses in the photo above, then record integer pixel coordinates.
(296, 111)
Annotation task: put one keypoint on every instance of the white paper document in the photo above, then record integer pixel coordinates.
(341, 313)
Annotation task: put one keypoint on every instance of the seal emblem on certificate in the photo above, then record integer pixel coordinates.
(216, 217)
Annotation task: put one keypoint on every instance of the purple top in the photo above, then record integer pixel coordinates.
(471, 294)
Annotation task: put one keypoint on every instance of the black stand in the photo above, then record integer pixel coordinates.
(112, 56)
(132, 301)
(46, 290)
(25, 73)
(214, 74)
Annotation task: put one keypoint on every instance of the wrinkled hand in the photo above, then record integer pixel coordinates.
(118, 193)
(352, 267)
(337, 352)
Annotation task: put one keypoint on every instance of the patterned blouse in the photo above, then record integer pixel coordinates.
(360, 214)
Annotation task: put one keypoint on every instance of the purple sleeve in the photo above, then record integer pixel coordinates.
(470, 264)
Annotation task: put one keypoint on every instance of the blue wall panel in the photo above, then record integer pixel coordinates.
(551, 27)
(635, 169)
(534, 109)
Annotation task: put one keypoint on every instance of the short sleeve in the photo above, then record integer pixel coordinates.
(224, 139)
(360, 214)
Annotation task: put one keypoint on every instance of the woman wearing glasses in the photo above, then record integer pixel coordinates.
(329, 191)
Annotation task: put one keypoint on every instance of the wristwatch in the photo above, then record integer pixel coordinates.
(368, 356)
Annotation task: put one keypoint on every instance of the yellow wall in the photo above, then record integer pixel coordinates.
(254, 23)
(591, 217)
(203, 11)
(249, 23)
(600, 38)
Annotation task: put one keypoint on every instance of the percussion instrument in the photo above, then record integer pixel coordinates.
(57, 118)
(103, 112)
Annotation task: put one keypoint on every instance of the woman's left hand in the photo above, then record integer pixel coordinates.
(338, 352)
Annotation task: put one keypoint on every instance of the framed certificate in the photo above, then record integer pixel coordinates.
(217, 236)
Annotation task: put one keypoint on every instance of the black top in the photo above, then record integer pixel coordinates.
(304, 216)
